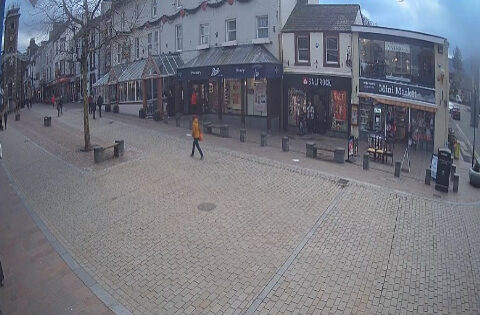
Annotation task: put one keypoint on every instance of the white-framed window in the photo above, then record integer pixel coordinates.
(124, 20)
(204, 34)
(137, 11)
(119, 53)
(137, 47)
(178, 37)
(262, 26)
(178, 3)
(303, 48)
(156, 40)
(149, 42)
(331, 49)
(231, 30)
(154, 8)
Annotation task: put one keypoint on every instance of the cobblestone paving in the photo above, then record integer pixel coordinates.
(135, 227)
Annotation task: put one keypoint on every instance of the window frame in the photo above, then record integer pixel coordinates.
(227, 31)
(137, 47)
(149, 43)
(178, 4)
(203, 36)
(299, 62)
(263, 27)
(178, 40)
(154, 8)
(327, 63)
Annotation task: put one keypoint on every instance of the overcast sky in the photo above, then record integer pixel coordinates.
(457, 20)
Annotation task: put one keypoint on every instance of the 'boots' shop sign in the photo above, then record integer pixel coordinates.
(397, 90)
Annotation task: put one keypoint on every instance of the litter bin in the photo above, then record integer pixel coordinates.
(443, 169)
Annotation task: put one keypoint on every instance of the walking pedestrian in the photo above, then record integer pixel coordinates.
(5, 117)
(61, 105)
(197, 135)
(94, 107)
(90, 101)
(2, 277)
(53, 100)
(99, 104)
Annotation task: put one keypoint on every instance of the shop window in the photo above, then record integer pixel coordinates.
(302, 43)
(262, 26)
(178, 37)
(297, 102)
(231, 30)
(204, 34)
(423, 124)
(233, 96)
(257, 97)
(331, 50)
(372, 58)
(338, 111)
(139, 91)
(397, 61)
(131, 91)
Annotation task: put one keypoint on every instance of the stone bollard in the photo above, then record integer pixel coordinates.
(17, 116)
(263, 139)
(456, 179)
(453, 171)
(177, 121)
(428, 176)
(98, 154)
(311, 150)
(243, 135)
(339, 155)
(285, 144)
(366, 161)
(398, 165)
(119, 149)
(47, 121)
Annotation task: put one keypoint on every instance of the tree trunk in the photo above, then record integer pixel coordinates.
(86, 128)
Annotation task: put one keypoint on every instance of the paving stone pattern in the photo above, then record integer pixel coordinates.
(136, 228)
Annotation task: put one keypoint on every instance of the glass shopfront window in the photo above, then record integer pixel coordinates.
(338, 111)
(233, 96)
(139, 91)
(397, 61)
(257, 97)
(297, 103)
(131, 91)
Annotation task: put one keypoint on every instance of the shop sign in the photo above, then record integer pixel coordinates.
(317, 81)
(397, 90)
(397, 47)
(256, 71)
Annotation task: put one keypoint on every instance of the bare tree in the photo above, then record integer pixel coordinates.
(91, 31)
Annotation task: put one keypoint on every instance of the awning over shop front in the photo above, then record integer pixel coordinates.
(133, 72)
(246, 61)
(102, 81)
(402, 103)
(168, 64)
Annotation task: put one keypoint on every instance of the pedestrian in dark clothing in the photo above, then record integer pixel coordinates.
(90, 104)
(197, 135)
(59, 106)
(99, 104)
(94, 107)
(5, 117)
(1, 275)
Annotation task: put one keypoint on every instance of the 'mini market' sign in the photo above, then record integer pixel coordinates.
(397, 90)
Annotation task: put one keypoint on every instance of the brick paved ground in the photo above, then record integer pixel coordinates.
(282, 238)
(37, 280)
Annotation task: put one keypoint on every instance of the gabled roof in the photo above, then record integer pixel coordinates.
(322, 17)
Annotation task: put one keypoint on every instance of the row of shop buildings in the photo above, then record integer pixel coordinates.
(262, 63)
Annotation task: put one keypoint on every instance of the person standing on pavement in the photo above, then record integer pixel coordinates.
(5, 117)
(196, 134)
(2, 277)
(99, 104)
(53, 100)
(94, 106)
(90, 104)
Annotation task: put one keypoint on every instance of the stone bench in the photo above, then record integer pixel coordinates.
(219, 130)
(118, 150)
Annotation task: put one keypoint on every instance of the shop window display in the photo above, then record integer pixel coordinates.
(297, 102)
(257, 97)
(422, 124)
(338, 111)
(233, 97)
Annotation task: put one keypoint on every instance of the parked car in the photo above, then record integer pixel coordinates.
(455, 112)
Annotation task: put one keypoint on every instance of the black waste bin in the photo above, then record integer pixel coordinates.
(443, 169)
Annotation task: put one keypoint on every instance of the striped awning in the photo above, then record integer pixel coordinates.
(382, 99)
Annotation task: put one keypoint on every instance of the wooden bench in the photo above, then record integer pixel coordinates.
(99, 152)
(219, 130)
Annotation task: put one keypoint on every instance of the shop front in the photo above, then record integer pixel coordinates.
(222, 84)
(323, 102)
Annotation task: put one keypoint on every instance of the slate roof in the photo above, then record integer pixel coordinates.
(133, 71)
(237, 55)
(168, 63)
(322, 17)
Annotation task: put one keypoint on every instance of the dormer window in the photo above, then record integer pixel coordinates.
(302, 51)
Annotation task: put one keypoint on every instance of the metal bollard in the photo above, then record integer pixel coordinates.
(366, 161)
(263, 139)
(243, 135)
(456, 179)
(98, 154)
(397, 168)
(47, 121)
(453, 171)
(428, 176)
(285, 144)
(119, 149)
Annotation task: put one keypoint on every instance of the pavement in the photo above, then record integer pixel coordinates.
(464, 133)
(246, 230)
(37, 279)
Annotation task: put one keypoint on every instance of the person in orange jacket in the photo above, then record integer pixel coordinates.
(196, 136)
